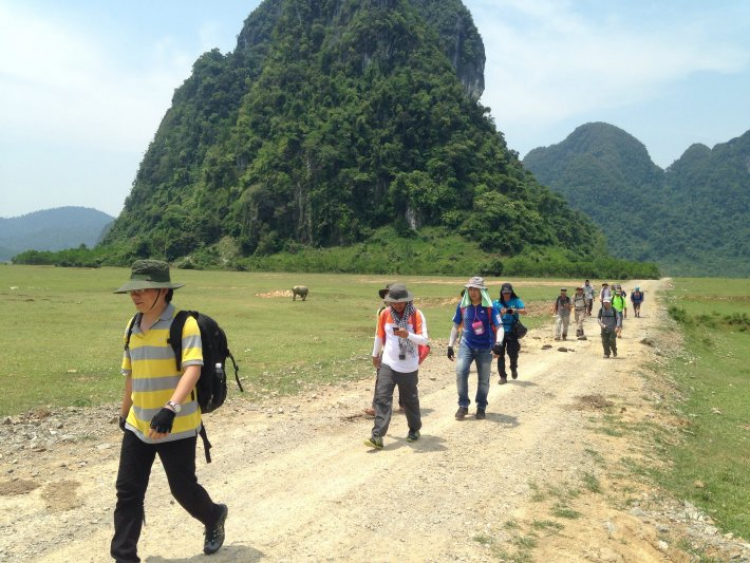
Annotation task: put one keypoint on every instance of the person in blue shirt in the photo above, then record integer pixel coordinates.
(510, 307)
(482, 330)
(636, 298)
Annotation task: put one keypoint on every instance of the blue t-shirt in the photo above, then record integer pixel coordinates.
(473, 314)
(509, 320)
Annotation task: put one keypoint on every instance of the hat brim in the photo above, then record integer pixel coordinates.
(409, 297)
(477, 286)
(136, 285)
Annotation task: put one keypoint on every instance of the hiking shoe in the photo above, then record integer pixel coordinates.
(461, 413)
(374, 442)
(412, 436)
(215, 534)
(514, 373)
(606, 356)
(614, 354)
(503, 380)
(481, 414)
(370, 412)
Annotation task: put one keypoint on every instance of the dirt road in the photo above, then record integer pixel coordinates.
(541, 479)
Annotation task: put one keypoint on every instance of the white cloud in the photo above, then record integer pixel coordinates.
(58, 82)
(547, 62)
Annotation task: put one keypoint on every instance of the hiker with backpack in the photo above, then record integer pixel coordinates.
(562, 312)
(580, 307)
(510, 307)
(401, 332)
(159, 414)
(371, 410)
(636, 298)
(620, 304)
(609, 321)
(588, 294)
(483, 334)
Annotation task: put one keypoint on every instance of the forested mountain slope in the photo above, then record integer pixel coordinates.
(329, 121)
(692, 219)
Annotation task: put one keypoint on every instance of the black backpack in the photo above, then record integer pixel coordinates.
(212, 384)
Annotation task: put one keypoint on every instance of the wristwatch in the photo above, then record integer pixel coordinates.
(176, 407)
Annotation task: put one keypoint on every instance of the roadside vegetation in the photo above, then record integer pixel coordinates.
(709, 463)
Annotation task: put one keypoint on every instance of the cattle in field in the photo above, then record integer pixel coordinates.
(300, 290)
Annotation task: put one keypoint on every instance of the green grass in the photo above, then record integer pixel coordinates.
(715, 448)
(62, 335)
(547, 525)
(591, 483)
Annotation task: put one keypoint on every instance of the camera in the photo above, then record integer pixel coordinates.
(509, 311)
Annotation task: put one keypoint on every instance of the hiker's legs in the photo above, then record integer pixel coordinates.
(407, 388)
(383, 401)
(580, 315)
(484, 366)
(605, 341)
(613, 342)
(375, 391)
(513, 347)
(558, 327)
(136, 459)
(501, 359)
(178, 459)
(565, 323)
(465, 357)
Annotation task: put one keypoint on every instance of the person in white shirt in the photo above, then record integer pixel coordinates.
(401, 331)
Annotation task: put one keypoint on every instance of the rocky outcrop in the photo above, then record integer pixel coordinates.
(460, 40)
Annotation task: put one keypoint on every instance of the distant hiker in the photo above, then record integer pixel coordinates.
(401, 330)
(620, 304)
(482, 329)
(562, 311)
(159, 414)
(510, 307)
(300, 290)
(605, 293)
(371, 411)
(609, 320)
(580, 307)
(588, 294)
(636, 298)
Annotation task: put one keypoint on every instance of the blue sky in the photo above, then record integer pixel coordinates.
(84, 84)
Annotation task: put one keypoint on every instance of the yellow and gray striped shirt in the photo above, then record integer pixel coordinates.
(150, 361)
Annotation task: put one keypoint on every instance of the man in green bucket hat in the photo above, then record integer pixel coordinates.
(159, 414)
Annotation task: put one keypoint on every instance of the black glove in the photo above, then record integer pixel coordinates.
(497, 349)
(451, 355)
(163, 420)
(121, 422)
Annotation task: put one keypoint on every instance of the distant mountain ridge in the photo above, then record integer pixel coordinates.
(52, 229)
(692, 219)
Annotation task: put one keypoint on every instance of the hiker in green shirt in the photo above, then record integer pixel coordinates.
(620, 304)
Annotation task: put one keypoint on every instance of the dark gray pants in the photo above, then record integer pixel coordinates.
(407, 388)
(609, 341)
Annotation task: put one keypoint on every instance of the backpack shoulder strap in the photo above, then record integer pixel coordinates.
(136, 319)
(175, 334)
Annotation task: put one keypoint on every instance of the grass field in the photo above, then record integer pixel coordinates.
(711, 463)
(62, 335)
